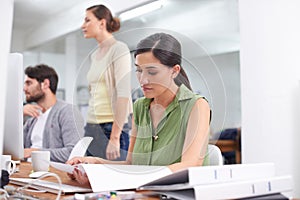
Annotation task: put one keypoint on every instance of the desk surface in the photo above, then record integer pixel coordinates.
(25, 169)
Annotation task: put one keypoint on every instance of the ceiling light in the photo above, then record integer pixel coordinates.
(146, 8)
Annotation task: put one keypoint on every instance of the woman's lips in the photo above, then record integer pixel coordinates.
(146, 89)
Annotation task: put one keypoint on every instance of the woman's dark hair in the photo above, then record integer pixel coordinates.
(102, 12)
(41, 72)
(167, 50)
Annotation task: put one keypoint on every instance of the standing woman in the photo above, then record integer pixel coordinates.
(109, 85)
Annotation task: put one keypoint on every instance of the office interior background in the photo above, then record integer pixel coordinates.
(241, 55)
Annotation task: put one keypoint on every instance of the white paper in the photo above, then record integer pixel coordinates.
(63, 167)
(231, 190)
(52, 187)
(81, 147)
(245, 188)
(211, 174)
(118, 177)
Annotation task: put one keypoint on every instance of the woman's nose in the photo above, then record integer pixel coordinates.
(143, 79)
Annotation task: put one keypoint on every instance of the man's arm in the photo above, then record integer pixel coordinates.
(67, 131)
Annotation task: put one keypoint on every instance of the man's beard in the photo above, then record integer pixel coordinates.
(35, 98)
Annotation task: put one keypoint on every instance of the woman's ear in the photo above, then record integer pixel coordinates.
(102, 23)
(176, 70)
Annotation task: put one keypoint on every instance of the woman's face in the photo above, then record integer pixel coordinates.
(154, 77)
(91, 25)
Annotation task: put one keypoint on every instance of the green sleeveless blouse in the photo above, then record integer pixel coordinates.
(164, 145)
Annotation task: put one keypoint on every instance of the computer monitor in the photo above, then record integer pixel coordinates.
(13, 121)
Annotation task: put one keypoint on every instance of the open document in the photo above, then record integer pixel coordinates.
(104, 177)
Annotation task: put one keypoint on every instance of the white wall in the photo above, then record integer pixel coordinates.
(17, 43)
(67, 21)
(55, 60)
(270, 74)
(70, 62)
(218, 78)
(6, 18)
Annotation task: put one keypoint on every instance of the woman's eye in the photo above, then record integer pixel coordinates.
(152, 73)
(138, 70)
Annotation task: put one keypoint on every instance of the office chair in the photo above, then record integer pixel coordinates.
(214, 154)
(81, 147)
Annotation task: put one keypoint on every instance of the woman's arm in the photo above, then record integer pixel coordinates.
(196, 139)
(122, 83)
(128, 160)
(131, 142)
(120, 117)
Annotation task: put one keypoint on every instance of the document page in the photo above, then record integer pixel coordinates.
(62, 167)
(119, 177)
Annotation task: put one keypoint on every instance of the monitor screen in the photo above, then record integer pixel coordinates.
(13, 121)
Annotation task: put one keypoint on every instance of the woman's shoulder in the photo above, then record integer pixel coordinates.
(141, 102)
(200, 100)
(186, 94)
(120, 43)
(93, 53)
(190, 99)
(120, 46)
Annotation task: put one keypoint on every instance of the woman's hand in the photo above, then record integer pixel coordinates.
(113, 149)
(76, 160)
(84, 160)
(80, 177)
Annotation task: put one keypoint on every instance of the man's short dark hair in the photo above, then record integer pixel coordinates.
(41, 72)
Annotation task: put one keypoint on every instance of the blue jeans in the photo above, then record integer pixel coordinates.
(101, 135)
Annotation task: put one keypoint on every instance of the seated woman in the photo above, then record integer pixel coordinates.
(171, 123)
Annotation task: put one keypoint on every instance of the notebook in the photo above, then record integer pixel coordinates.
(49, 186)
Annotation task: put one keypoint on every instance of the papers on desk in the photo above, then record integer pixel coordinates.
(48, 186)
(229, 190)
(63, 167)
(104, 177)
(222, 182)
(211, 174)
(120, 177)
(245, 188)
(208, 182)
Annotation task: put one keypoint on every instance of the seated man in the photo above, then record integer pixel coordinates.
(54, 125)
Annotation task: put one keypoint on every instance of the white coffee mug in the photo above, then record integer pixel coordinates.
(7, 164)
(40, 161)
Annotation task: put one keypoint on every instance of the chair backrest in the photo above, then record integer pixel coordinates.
(214, 155)
(81, 147)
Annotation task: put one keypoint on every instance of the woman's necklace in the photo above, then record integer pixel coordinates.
(157, 112)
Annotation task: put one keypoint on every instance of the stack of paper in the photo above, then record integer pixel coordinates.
(222, 182)
(209, 182)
